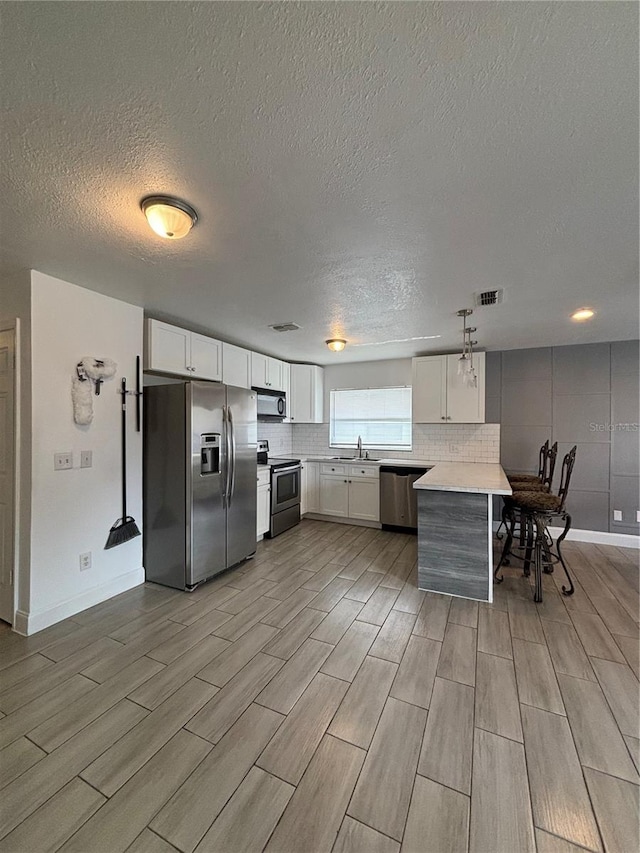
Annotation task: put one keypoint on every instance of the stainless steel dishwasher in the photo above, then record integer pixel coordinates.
(398, 502)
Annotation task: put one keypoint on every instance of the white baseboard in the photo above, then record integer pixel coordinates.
(596, 537)
(27, 623)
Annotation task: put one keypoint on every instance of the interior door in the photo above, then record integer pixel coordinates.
(7, 463)
(242, 500)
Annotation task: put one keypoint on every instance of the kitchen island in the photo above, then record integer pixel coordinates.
(455, 521)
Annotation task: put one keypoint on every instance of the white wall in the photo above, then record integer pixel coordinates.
(72, 510)
(15, 304)
(365, 374)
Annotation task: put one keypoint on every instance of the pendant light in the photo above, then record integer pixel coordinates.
(465, 363)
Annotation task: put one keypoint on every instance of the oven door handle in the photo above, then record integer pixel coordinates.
(277, 471)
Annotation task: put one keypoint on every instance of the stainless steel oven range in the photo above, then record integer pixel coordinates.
(285, 489)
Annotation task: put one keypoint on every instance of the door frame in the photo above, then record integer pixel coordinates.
(14, 326)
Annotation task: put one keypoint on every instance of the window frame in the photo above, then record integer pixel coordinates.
(404, 448)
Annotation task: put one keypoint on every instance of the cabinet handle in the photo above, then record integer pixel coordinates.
(345, 481)
(442, 417)
(448, 417)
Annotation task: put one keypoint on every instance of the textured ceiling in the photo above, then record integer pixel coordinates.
(359, 168)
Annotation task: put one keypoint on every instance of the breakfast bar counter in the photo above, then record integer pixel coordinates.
(455, 527)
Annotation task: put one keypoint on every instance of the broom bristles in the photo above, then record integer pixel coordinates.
(122, 531)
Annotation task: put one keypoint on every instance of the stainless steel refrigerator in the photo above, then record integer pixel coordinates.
(199, 481)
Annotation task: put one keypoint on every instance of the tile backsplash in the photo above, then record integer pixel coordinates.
(431, 442)
(279, 437)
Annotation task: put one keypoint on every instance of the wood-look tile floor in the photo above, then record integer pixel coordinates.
(314, 700)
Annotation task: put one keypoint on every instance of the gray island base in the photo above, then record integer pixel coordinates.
(455, 528)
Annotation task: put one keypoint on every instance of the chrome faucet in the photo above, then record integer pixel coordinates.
(359, 447)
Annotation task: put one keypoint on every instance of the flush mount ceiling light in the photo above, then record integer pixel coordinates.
(169, 217)
(582, 314)
(336, 344)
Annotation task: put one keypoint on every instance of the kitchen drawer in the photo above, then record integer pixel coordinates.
(331, 468)
(371, 471)
(264, 477)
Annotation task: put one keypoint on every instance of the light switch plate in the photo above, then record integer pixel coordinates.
(62, 461)
(617, 515)
(86, 458)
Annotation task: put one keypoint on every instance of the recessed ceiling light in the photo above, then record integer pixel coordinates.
(336, 344)
(398, 341)
(582, 314)
(169, 217)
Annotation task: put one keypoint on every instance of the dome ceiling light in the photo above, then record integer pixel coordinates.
(336, 344)
(169, 217)
(582, 314)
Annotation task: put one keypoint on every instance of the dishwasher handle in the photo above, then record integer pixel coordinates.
(403, 470)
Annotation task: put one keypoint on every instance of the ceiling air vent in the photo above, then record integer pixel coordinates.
(285, 327)
(488, 297)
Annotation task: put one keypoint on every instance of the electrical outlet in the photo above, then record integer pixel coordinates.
(86, 458)
(62, 461)
(453, 448)
(85, 561)
(617, 515)
(638, 516)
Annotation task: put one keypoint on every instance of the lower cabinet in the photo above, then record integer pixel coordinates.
(349, 491)
(334, 495)
(263, 515)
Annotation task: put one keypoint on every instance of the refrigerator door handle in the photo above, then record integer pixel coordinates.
(232, 456)
(225, 479)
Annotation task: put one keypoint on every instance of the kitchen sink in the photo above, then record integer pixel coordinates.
(355, 459)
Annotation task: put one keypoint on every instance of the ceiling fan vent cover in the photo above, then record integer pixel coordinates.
(489, 297)
(285, 327)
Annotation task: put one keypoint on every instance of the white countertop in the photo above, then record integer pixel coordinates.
(484, 477)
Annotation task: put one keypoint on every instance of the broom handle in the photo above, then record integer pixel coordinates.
(124, 448)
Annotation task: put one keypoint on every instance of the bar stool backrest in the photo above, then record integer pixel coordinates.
(542, 461)
(565, 475)
(550, 465)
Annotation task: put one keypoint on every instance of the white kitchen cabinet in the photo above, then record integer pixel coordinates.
(349, 491)
(263, 514)
(307, 386)
(236, 366)
(334, 495)
(364, 492)
(170, 349)
(310, 490)
(285, 375)
(439, 394)
(266, 372)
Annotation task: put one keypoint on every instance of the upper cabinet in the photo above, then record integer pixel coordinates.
(439, 394)
(306, 397)
(171, 349)
(267, 372)
(236, 366)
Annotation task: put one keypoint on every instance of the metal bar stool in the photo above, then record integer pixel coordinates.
(542, 481)
(538, 509)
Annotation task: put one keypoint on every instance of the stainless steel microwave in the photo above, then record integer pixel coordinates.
(272, 405)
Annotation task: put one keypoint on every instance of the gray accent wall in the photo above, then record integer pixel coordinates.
(582, 395)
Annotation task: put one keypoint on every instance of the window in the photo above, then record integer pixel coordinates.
(381, 416)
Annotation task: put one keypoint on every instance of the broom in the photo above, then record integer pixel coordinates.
(124, 528)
